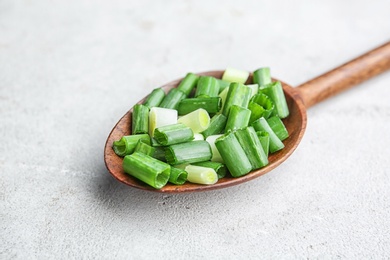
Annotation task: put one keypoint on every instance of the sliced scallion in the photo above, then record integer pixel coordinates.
(254, 88)
(207, 87)
(278, 127)
(172, 99)
(219, 168)
(262, 76)
(264, 140)
(147, 169)
(261, 106)
(216, 155)
(145, 148)
(238, 118)
(252, 147)
(190, 152)
(140, 119)
(177, 176)
(211, 104)
(239, 95)
(274, 90)
(222, 84)
(127, 143)
(235, 75)
(198, 120)
(275, 144)
(155, 97)
(233, 155)
(160, 117)
(217, 125)
(201, 175)
(173, 134)
(188, 83)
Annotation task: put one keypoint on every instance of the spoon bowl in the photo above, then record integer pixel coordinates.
(298, 99)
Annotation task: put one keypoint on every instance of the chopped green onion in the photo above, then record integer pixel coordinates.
(190, 152)
(261, 106)
(219, 168)
(201, 175)
(188, 83)
(234, 75)
(145, 148)
(177, 176)
(233, 155)
(275, 144)
(252, 147)
(254, 88)
(264, 140)
(223, 96)
(160, 117)
(239, 95)
(217, 125)
(216, 155)
(222, 84)
(198, 137)
(275, 92)
(278, 127)
(173, 134)
(262, 76)
(140, 119)
(159, 153)
(172, 99)
(198, 120)
(147, 169)
(238, 118)
(155, 98)
(127, 143)
(207, 87)
(211, 104)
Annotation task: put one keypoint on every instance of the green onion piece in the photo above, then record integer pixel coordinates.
(275, 92)
(262, 76)
(252, 147)
(222, 84)
(143, 147)
(207, 87)
(159, 153)
(223, 96)
(198, 137)
(219, 168)
(233, 155)
(188, 83)
(140, 119)
(216, 155)
(254, 88)
(147, 169)
(261, 106)
(275, 144)
(190, 152)
(238, 118)
(172, 99)
(217, 125)
(278, 127)
(201, 175)
(154, 142)
(234, 75)
(211, 104)
(198, 120)
(155, 97)
(239, 95)
(127, 143)
(160, 117)
(173, 134)
(264, 140)
(178, 176)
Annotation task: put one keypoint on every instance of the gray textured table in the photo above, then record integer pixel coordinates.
(69, 70)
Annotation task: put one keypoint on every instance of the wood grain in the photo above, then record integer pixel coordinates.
(346, 76)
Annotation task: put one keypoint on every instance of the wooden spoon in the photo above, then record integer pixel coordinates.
(299, 99)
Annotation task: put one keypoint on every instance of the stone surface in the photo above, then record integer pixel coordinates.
(69, 70)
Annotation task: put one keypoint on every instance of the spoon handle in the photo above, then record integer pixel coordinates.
(346, 76)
